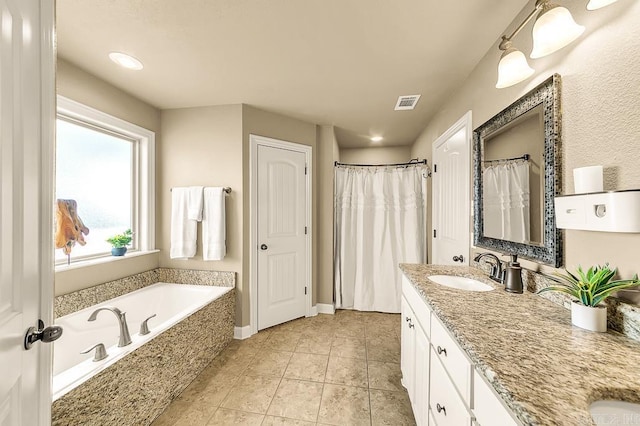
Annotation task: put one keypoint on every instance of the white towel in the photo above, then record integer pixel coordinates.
(213, 225)
(183, 230)
(194, 203)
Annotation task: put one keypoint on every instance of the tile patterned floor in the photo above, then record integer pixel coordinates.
(341, 369)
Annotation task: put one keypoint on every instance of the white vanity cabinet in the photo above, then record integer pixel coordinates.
(443, 386)
(415, 354)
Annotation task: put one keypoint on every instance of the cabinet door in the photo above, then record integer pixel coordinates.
(446, 404)
(407, 349)
(487, 405)
(421, 383)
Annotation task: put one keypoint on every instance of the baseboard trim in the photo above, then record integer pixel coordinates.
(241, 333)
(325, 308)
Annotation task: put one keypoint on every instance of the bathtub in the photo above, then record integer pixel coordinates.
(171, 303)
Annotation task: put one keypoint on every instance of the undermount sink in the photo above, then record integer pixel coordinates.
(612, 412)
(461, 283)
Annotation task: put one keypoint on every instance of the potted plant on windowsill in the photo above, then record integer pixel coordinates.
(119, 242)
(589, 289)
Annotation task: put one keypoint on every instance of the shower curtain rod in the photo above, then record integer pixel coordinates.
(525, 157)
(410, 163)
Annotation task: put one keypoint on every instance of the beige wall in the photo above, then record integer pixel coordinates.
(381, 155)
(202, 146)
(263, 123)
(600, 107)
(78, 85)
(327, 153)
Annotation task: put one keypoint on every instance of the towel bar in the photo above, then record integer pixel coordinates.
(226, 189)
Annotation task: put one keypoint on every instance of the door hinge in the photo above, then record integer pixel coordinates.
(435, 168)
(305, 168)
(305, 230)
(305, 290)
(434, 233)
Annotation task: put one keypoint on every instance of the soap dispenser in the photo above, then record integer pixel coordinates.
(513, 276)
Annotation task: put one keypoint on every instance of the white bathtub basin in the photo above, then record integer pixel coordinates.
(611, 412)
(461, 283)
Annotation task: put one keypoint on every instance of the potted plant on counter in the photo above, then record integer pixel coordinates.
(590, 289)
(119, 242)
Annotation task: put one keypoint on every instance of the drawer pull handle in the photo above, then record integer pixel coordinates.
(441, 409)
(442, 351)
(411, 324)
(407, 319)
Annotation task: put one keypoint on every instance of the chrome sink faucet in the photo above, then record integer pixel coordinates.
(125, 337)
(496, 267)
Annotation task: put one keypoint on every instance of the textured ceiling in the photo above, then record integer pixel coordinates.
(339, 62)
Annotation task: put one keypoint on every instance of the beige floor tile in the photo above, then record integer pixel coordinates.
(307, 367)
(350, 329)
(197, 414)
(224, 417)
(297, 399)
(385, 350)
(344, 405)
(174, 411)
(391, 408)
(269, 363)
(347, 371)
(212, 389)
(281, 421)
(320, 345)
(349, 347)
(282, 341)
(252, 394)
(385, 376)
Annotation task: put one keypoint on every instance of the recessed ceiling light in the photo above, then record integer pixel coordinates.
(376, 138)
(125, 61)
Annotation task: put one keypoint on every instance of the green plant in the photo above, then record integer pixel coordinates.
(591, 287)
(121, 240)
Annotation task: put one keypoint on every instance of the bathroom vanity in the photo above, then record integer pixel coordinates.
(497, 358)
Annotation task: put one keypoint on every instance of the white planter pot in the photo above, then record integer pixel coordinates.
(589, 318)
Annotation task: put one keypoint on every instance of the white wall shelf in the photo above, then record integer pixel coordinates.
(613, 211)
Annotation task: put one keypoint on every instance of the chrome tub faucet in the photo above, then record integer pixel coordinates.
(125, 337)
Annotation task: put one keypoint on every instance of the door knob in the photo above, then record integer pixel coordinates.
(47, 335)
(263, 247)
(458, 258)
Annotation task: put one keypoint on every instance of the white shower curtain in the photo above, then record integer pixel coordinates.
(505, 192)
(380, 222)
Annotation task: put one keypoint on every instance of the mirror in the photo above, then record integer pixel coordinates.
(517, 176)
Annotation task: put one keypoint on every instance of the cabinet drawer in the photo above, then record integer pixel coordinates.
(418, 305)
(452, 357)
(487, 406)
(445, 403)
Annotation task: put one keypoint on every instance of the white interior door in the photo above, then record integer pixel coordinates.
(281, 230)
(27, 116)
(450, 199)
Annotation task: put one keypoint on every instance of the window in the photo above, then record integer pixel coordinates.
(106, 165)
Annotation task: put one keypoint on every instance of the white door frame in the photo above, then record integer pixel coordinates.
(254, 142)
(464, 123)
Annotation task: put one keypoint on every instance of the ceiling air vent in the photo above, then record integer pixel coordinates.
(407, 102)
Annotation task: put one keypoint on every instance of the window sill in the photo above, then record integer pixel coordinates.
(101, 260)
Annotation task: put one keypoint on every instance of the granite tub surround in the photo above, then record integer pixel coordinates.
(137, 389)
(72, 302)
(546, 370)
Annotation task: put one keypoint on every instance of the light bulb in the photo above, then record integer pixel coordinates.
(597, 4)
(554, 29)
(125, 61)
(512, 68)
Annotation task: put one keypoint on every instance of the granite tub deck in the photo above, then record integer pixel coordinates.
(546, 370)
(137, 388)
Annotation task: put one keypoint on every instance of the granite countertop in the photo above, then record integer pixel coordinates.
(546, 370)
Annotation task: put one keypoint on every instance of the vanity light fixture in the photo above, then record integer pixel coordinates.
(125, 61)
(376, 139)
(553, 29)
(597, 4)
